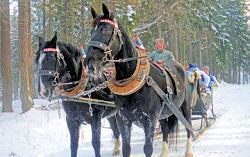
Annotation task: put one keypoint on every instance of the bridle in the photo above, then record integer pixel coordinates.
(55, 74)
(82, 83)
(138, 79)
(107, 47)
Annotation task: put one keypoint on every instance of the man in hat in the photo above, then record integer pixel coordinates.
(161, 55)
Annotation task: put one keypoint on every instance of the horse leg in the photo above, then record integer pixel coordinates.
(187, 114)
(73, 127)
(96, 133)
(149, 127)
(165, 131)
(116, 133)
(125, 129)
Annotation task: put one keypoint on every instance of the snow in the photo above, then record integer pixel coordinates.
(41, 133)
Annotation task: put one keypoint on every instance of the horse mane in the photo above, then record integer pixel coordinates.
(128, 51)
(71, 50)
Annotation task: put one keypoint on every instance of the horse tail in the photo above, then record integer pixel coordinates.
(173, 130)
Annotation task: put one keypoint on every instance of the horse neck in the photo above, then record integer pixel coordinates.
(126, 70)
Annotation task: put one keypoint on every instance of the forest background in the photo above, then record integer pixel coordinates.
(212, 33)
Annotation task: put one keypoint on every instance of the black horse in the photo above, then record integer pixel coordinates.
(110, 43)
(61, 63)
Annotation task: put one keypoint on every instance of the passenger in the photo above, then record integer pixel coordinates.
(213, 81)
(192, 71)
(161, 55)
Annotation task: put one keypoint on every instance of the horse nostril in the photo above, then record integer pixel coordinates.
(91, 67)
(46, 93)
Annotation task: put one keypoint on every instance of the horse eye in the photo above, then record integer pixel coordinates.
(51, 54)
(106, 30)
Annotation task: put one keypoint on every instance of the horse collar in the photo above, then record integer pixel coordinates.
(135, 82)
(81, 85)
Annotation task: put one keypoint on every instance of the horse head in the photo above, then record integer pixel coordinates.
(105, 44)
(57, 63)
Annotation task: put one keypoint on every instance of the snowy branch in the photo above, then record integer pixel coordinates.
(141, 27)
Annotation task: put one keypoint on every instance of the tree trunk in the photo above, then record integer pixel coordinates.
(44, 19)
(49, 35)
(6, 58)
(239, 65)
(243, 75)
(190, 49)
(176, 42)
(234, 68)
(184, 52)
(66, 20)
(206, 48)
(82, 25)
(72, 22)
(30, 51)
(25, 86)
(200, 49)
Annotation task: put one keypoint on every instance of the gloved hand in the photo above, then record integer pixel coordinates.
(202, 86)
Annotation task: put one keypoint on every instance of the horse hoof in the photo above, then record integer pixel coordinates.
(115, 153)
(189, 154)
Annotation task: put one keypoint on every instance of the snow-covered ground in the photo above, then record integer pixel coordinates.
(40, 133)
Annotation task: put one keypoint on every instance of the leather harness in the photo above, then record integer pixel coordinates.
(140, 76)
(81, 85)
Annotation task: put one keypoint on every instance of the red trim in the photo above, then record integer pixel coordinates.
(158, 66)
(80, 47)
(136, 38)
(108, 21)
(50, 49)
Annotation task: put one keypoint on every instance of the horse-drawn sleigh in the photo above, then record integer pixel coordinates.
(134, 90)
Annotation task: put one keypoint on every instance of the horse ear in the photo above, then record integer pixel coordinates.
(105, 11)
(93, 12)
(54, 40)
(112, 16)
(40, 41)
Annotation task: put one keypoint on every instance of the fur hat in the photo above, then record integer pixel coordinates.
(206, 67)
(157, 41)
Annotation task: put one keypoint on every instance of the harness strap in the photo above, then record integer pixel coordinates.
(46, 72)
(168, 102)
(169, 89)
(99, 45)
